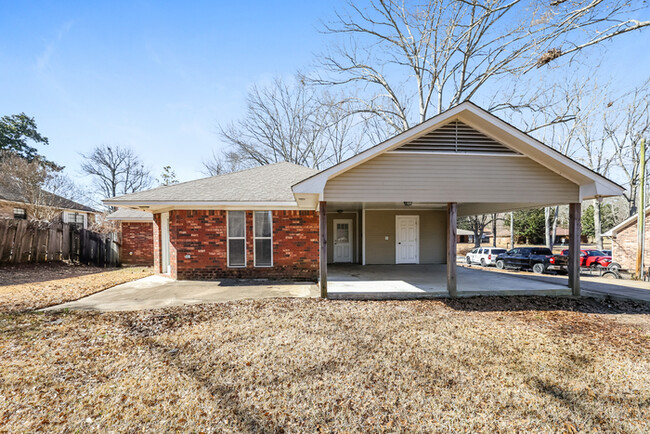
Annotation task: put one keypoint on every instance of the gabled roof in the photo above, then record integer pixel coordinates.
(613, 231)
(130, 215)
(266, 184)
(13, 195)
(591, 183)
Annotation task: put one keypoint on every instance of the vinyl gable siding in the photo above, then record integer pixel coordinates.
(450, 178)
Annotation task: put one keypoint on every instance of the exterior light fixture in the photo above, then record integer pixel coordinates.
(408, 203)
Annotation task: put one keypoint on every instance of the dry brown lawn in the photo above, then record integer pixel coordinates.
(305, 365)
(35, 286)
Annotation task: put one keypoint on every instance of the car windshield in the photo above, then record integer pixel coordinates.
(542, 252)
(595, 253)
(498, 251)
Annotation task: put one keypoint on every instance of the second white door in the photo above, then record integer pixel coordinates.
(407, 239)
(342, 240)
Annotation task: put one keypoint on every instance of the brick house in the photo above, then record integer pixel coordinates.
(136, 227)
(14, 206)
(394, 203)
(624, 242)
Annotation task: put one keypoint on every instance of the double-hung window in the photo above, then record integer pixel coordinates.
(20, 213)
(236, 238)
(263, 239)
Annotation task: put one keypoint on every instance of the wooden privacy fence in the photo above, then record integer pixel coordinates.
(31, 241)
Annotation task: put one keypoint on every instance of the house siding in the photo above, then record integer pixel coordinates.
(198, 248)
(432, 236)
(624, 246)
(442, 178)
(137, 243)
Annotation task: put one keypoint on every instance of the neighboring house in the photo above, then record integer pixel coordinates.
(624, 242)
(394, 203)
(467, 236)
(136, 227)
(13, 205)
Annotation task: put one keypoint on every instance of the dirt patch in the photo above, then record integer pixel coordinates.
(55, 284)
(16, 274)
(306, 365)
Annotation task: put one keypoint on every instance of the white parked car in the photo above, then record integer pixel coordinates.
(484, 255)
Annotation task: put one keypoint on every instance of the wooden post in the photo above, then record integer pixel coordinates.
(451, 249)
(322, 275)
(640, 225)
(575, 229)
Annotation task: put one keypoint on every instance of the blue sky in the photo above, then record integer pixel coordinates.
(161, 76)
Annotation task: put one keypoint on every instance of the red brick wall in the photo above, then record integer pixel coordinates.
(137, 243)
(624, 246)
(202, 236)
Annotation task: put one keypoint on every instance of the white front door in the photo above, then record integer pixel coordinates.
(164, 242)
(342, 240)
(407, 239)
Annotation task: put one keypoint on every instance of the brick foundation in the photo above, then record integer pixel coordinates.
(198, 246)
(137, 243)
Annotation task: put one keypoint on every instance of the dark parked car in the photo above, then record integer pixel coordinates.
(538, 259)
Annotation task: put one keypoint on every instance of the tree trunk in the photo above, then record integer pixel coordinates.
(555, 218)
(512, 230)
(547, 228)
(597, 225)
(494, 230)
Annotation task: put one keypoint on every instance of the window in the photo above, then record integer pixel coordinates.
(20, 213)
(263, 239)
(236, 238)
(75, 219)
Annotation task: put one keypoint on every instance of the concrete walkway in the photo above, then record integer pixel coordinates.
(157, 291)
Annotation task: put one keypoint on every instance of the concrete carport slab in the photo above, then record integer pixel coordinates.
(430, 281)
(158, 291)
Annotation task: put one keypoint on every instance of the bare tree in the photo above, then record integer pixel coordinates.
(44, 190)
(626, 121)
(115, 170)
(288, 121)
(414, 58)
(476, 224)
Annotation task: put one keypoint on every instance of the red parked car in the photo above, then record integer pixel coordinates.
(592, 258)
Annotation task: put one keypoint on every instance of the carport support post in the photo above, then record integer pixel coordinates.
(575, 228)
(322, 274)
(451, 248)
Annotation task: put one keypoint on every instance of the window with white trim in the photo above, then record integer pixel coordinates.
(236, 238)
(263, 232)
(76, 219)
(20, 213)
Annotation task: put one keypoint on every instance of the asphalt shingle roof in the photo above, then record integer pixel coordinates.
(12, 195)
(130, 214)
(271, 183)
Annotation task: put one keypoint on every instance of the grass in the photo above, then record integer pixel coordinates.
(35, 286)
(305, 365)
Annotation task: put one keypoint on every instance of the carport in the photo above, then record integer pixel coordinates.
(392, 209)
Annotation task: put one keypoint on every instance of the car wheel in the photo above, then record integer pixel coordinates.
(468, 260)
(483, 264)
(539, 268)
(610, 275)
(614, 266)
(500, 264)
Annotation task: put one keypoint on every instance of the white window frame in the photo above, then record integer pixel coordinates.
(255, 238)
(71, 217)
(23, 211)
(228, 238)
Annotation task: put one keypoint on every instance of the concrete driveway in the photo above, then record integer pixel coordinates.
(157, 291)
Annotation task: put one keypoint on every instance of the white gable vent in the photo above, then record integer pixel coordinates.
(456, 137)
